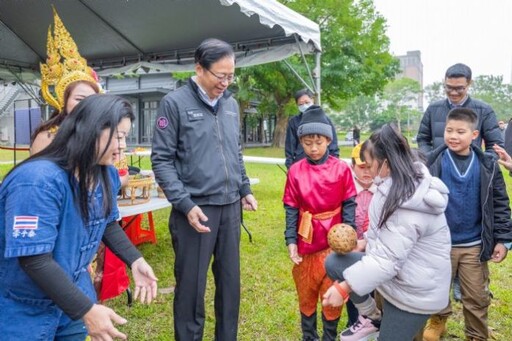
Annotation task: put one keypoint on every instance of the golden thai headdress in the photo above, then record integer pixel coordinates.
(64, 65)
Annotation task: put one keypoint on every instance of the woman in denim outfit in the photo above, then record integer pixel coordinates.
(55, 208)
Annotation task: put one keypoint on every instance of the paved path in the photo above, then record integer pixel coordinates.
(9, 162)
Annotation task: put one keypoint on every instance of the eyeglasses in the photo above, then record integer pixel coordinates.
(457, 89)
(223, 78)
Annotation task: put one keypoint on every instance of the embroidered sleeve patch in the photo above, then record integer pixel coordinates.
(162, 122)
(25, 226)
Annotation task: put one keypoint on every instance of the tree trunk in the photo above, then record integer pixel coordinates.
(262, 130)
(280, 129)
(242, 105)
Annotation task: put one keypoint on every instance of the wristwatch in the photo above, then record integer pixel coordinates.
(508, 245)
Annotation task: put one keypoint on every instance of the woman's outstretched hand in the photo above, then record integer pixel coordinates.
(145, 281)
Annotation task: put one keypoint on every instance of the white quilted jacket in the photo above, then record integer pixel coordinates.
(408, 260)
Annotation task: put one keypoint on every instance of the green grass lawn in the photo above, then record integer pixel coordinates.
(269, 308)
(7, 159)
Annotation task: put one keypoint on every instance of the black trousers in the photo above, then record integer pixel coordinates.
(193, 252)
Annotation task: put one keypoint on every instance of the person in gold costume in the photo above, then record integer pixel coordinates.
(65, 81)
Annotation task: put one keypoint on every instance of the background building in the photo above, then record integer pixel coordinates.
(19, 110)
(412, 67)
(143, 88)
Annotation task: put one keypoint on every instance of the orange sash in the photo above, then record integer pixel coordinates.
(306, 227)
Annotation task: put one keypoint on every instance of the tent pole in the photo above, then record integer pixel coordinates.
(317, 78)
(299, 77)
(311, 76)
(28, 89)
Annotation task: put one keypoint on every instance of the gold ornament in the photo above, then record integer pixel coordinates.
(122, 163)
(64, 65)
(53, 130)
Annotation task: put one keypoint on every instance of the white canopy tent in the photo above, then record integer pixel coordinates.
(117, 36)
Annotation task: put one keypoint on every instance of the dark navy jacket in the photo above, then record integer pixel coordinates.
(431, 131)
(496, 223)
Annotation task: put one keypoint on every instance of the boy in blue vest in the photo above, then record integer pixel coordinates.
(478, 215)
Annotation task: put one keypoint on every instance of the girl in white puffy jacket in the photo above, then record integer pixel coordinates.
(407, 257)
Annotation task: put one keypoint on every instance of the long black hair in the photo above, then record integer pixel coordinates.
(75, 146)
(388, 144)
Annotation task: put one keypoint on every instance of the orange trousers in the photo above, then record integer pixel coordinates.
(312, 282)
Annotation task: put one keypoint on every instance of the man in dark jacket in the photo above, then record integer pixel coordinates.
(197, 161)
(456, 84)
(293, 149)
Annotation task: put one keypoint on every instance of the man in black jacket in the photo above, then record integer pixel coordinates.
(456, 84)
(197, 161)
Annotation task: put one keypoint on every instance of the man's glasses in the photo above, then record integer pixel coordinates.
(223, 78)
(457, 89)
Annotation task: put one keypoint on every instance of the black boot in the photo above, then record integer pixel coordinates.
(330, 329)
(308, 325)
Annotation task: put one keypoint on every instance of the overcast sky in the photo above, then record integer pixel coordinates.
(475, 32)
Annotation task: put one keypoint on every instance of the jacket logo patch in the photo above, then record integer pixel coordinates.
(230, 113)
(25, 226)
(195, 115)
(162, 122)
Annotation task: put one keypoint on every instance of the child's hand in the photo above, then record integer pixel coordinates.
(332, 298)
(499, 254)
(505, 159)
(294, 255)
(361, 245)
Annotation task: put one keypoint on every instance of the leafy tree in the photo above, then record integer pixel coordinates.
(245, 94)
(401, 101)
(355, 58)
(272, 85)
(494, 92)
(397, 103)
(435, 92)
(358, 111)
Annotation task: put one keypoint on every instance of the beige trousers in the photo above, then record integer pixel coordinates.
(474, 287)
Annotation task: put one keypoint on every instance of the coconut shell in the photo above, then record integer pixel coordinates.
(342, 238)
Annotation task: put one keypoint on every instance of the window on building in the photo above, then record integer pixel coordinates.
(131, 139)
(149, 110)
